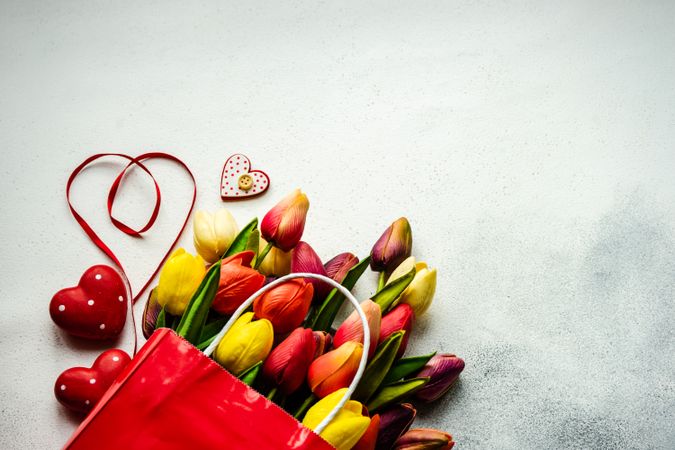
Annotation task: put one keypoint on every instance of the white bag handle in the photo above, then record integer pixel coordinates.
(355, 303)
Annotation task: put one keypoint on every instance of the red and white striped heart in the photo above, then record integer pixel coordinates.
(238, 181)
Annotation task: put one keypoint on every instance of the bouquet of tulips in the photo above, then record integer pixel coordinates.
(285, 346)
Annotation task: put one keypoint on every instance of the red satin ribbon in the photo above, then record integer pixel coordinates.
(137, 161)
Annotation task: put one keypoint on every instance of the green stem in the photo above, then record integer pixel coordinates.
(262, 255)
(272, 393)
(305, 406)
(381, 280)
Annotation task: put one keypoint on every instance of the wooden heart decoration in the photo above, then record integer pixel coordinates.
(80, 388)
(238, 181)
(94, 309)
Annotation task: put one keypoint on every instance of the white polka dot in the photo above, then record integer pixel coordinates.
(92, 381)
(90, 303)
(120, 298)
(116, 358)
(102, 326)
(63, 387)
(98, 276)
(86, 402)
(62, 308)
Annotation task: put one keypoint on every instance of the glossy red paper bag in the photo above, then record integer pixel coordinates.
(173, 397)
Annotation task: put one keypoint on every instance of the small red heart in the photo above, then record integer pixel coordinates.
(79, 388)
(94, 309)
(236, 166)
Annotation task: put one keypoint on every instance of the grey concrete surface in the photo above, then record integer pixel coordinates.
(530, 144)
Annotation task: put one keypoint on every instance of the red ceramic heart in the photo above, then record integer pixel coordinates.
(94, 309)
(235, 167)
(79, 388)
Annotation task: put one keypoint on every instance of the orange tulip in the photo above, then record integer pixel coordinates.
(285, 305)
(284, 224)
(238, 281)
(335, 369)
(352, 328)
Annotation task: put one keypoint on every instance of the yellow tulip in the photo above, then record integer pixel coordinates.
(277, 262)
(420, 292)
(345, 430)
(213, 233)
(245, 344)
(179, 279)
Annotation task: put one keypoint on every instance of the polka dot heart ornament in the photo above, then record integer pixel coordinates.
(238, 181)
(79, 388)
(94, 309)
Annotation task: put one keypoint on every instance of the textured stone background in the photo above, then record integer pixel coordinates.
(530, 144)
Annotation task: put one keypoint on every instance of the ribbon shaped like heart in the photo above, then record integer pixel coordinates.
(133, 161)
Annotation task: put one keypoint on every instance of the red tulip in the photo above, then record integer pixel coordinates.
(352, 328)
(400, 318)
(392, 247)
(338, 267)
(369, 438)
(335, 369)
(238, 281)
(284, 223)
(305, 259)
(424, 439)
(443, 370)
(285, 305)
(286, 367)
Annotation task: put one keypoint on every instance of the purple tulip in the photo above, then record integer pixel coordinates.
(392, 247)
(425, 439)
(338, 267)
(394, 422)
(443, 370)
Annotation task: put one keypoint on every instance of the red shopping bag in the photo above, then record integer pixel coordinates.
(172, 396)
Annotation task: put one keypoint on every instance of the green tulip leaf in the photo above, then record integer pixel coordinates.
(213, 328)
(330, 307)
(202, 345)
(161, 319)
(194, 317)
(249, 375)
(378, 367)
(405, 367)
(247, 239)
(387, 296)
(395, 392)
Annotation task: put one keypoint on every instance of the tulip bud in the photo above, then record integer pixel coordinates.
(369, 438)
(285, 305)
(442, 371)
(338, 267)
(150, 314)
(304, 259)
(352, 328)
(284, 223)
(323, 341)
(345, 430)
(287, 365)
(213, 233)
(238, 281)
(245, 344)
(394, 422)
(424, 439)
(335, 369)
(420, 292)
(392, 247)
(400, 318)
(277, 263)
(179, 279)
